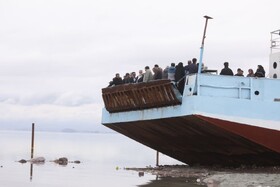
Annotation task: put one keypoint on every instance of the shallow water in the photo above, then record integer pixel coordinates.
(103, 159)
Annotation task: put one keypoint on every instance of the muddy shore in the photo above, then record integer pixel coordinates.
(217, 176)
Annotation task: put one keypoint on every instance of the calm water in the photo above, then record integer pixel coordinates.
(103, 157)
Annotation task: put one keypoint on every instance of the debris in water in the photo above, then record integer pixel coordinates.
(61, 161)
(77, 162)
(22, 161)
(38, 160)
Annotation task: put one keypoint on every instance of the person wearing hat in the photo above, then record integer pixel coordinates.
(226, 70)
(239, 72)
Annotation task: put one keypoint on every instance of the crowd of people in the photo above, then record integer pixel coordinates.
(173, 72)
(177, 73)
(260, 72)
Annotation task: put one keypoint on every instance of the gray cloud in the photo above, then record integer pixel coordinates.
(64, 99)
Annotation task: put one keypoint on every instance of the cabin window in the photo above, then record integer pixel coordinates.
(275, 76)
(257, 92)
(275, 65)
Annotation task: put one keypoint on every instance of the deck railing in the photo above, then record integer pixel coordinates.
(128, 97)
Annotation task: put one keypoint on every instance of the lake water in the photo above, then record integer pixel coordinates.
(103, 159)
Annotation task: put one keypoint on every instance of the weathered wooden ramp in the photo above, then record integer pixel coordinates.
(128, 97)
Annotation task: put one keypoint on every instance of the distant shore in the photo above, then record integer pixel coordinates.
(217, 176)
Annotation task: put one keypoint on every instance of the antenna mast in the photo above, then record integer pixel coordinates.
(202, 44)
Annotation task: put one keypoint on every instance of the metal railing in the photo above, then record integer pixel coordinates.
(275, 40)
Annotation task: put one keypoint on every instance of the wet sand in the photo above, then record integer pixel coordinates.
(219, 177)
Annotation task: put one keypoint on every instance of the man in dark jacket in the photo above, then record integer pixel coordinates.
(157, 72)
(116, 80)
(260, 71)
(193, 67)
(226, 70)
(180, 77)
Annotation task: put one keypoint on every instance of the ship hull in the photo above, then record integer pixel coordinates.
(201, 140)
(220, 120)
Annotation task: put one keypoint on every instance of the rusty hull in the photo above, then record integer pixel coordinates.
(199, 140)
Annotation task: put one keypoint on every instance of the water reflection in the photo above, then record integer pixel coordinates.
(41, 161)
(170, 181)
(31, 172)
(100, 154)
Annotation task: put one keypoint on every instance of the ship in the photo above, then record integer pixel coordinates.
(218, 120)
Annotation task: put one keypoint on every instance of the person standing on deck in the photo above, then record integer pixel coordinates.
(260, 71)
(165, 73)
(171, 72)
(239, 72)
(187, 67)
(157, 72)
(139, 78)
(148, 75)
(126, 78)
(117, 80)
(226, 70)
(193, 66)
(250, 73)
(132, 77)
(180, 77)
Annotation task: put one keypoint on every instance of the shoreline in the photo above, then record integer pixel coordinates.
(218, 176)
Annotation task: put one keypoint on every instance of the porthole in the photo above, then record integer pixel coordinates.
(257, 92)
(190, 89)
(275, 76)
(275, 65)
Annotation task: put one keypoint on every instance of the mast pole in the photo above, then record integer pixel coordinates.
(201, 55)
(202, 44)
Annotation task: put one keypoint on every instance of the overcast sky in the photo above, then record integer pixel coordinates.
(56, 55)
